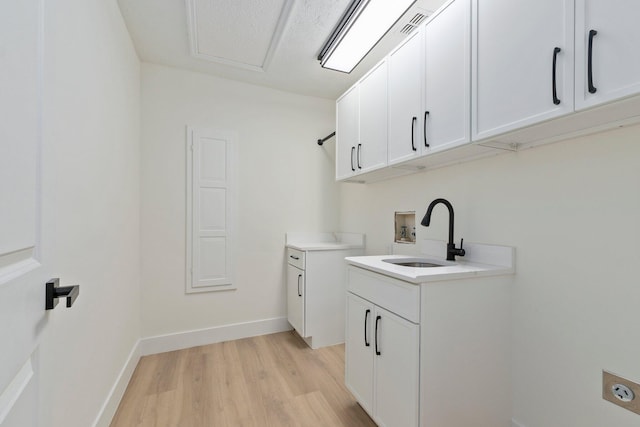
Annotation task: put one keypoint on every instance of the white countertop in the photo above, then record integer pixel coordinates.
(323, 246)
(480, 260)
(324, 241)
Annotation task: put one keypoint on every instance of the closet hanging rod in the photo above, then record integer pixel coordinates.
(331, 135)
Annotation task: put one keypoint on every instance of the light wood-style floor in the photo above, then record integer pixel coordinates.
(272, 380)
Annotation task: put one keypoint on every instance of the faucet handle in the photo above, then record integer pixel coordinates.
(461, 252)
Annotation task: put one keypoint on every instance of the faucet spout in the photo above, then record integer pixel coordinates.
(452, 251)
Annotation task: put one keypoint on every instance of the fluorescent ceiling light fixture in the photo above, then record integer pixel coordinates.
(361, 27)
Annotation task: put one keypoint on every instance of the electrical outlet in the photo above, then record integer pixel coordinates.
(621, 391)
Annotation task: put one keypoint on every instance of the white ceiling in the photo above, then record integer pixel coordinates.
(272, 43)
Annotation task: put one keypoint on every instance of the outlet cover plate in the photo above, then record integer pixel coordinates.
(608, 381)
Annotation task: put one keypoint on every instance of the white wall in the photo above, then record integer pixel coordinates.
(572, 211)
(91, 205)
(285, 183)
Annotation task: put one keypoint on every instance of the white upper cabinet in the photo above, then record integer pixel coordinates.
(607, 51)
(361, 128)
(483, 76)
(447, 78)
(371, 151)
(405, 100)
(347, 133)
(522, 63)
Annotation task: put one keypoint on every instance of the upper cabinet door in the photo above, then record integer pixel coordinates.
(347, 137)
(607, 50)
(405, 100)
(522, 63)
(447, 116)
(371, 152)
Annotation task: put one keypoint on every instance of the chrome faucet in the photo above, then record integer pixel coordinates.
(452, 251)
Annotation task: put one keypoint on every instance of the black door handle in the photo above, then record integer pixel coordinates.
(556, 51)
(352, 150)
(358, 156)
(424, 128)
(299, 277)
(592, 88)
(366, 316)
(53, 291)
(413, 125)
(377, 350)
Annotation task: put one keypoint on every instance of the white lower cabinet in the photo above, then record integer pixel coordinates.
(396, 370)
(295, 298)
(433, 354)
(359, 354)
(382, 363)
(316, 292)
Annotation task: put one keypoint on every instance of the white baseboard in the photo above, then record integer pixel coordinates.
(110, 405)
(514, 423)
(187, 339)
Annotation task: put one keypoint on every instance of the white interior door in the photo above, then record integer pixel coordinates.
(23, 270)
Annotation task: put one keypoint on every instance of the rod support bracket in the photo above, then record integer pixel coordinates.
(322, 140)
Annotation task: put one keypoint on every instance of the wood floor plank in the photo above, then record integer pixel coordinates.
(312, 410)
(165, 375)
(132, 408)
(272, 380)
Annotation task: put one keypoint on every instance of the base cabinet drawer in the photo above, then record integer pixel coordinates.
(382, 363)
(397, 296)
(296, 257)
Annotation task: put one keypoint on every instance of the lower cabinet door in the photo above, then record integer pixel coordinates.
(295, 298)
(397, 372)
(359, 350)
